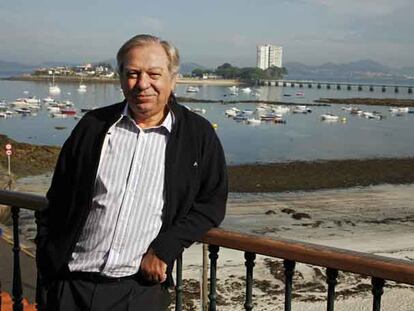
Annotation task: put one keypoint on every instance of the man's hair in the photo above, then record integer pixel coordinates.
(143, 40)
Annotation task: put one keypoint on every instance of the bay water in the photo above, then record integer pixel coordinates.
(303, 137)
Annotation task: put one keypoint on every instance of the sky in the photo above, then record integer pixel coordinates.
(211, 32)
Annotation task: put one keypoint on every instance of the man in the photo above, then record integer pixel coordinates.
(135, 183)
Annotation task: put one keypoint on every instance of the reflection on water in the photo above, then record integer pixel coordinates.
(303, 137)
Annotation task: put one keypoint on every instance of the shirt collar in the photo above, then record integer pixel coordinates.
(167, 123)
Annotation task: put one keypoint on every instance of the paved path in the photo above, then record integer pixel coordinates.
(28, 271)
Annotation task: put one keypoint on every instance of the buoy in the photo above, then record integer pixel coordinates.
(343, 120)
(215, 126)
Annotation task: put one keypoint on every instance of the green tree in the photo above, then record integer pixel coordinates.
(197, 72)
(274, 72)
(227, 71)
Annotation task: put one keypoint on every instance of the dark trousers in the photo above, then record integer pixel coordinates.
(129, 294)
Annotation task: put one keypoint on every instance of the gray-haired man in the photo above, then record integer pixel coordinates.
(135, 183)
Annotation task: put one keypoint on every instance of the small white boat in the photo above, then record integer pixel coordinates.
(53, 109)
(371, 115)
(300, 93)
(82, 88)
(281, 109)
(301, 109)
(246, 90)
(232, 112)
(54, 89)
(199, 110)
(23, 110)
(270, 116)
(58, 115)
(329, 117)
(48, 100)
(253, 121)
(240, 117)
(234, 90)
(193, 89)
(399, 109)
(247, 112)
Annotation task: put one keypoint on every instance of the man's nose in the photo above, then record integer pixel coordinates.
(143, 81)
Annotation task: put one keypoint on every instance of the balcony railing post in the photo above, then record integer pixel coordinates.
(250, 257)
(17, 278)
(377, 291)
(213, 249)
(289, 269)
(179, 286)
(331, 275)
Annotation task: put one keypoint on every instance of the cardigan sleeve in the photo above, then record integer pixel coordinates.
(207, 210)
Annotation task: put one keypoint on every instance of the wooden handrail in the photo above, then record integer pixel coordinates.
(318, 255)
(23, 200)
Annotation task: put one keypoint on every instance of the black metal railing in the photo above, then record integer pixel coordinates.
(379, 268)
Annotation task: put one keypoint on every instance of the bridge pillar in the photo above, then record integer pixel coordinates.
(309, 85)
(371, 88)
(319, 86)
(349, 87)
(359, 87)
(284, 83)
(292, 84)
(300, 85)
(383, 89)
(396, 90)
(328, 86)
(410, 90)
(338, 86)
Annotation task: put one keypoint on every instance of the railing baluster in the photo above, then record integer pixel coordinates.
(377, 291)
(213, 249)
(289, 269)
(17, 278)
(331, 275)
(250, 257)
(179, 286)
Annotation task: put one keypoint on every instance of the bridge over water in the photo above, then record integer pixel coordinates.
(339, 85)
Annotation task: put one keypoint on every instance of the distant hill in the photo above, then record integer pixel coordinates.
(358, 70)
(187, 68)
(14, 66)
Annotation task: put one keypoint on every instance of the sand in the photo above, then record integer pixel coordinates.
(375, 219)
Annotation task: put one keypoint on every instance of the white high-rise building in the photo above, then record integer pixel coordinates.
(269, 55)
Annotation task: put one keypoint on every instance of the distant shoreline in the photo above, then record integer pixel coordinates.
(86, 80)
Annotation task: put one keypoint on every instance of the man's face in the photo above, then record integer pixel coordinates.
(147, 83)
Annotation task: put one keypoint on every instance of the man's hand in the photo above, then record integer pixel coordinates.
(153, 268)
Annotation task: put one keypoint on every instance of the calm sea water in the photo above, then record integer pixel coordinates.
(303, 137)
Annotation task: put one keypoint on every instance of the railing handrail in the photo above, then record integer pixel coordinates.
(318, 255)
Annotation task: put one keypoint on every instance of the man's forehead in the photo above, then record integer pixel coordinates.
(152, 55)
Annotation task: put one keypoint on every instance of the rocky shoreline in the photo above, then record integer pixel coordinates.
(31, 160)
(395, 102)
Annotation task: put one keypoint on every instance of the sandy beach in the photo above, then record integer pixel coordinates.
(375, 219)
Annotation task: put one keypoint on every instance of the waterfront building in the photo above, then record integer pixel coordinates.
(269, 55)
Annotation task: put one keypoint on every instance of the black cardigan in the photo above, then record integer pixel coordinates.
(195, 183)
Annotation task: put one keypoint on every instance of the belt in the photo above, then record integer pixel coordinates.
(96, 277)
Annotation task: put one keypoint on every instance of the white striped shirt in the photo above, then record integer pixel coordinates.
(126, 211)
